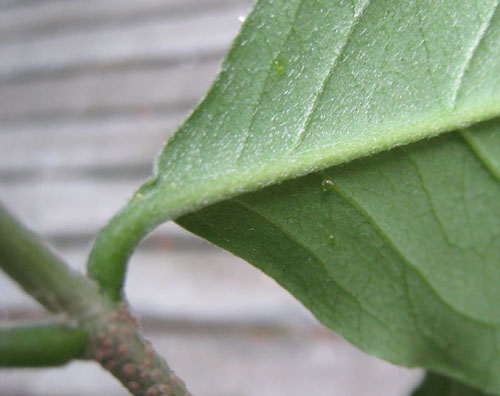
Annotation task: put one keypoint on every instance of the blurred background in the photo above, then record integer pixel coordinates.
(89, 91)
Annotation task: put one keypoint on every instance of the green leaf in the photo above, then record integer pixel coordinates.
(397, 251)
(309, 84)
(439, 385)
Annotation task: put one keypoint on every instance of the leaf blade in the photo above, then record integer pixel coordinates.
(310, 84)
(409, 286)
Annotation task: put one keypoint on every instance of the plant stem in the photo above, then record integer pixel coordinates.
(120, 348)
(41, 345)
(113, 335)
(115, 243)
(39, 271)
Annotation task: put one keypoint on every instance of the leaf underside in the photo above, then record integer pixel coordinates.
(400, 253)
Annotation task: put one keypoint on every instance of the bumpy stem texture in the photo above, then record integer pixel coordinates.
(120, 348)
(99, 328)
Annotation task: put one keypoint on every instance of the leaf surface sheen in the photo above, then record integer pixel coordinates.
(400, 255)
(311, 83)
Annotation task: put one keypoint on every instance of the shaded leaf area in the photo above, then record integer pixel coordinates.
(397, 252)
(309, 84)
(439, 385)
(486, 144)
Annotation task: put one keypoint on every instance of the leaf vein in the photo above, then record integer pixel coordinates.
(427, 54)
(483, 157)
(264, 84)
(321, 91)
(457, 86)
(403, 258)
(294, 240)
